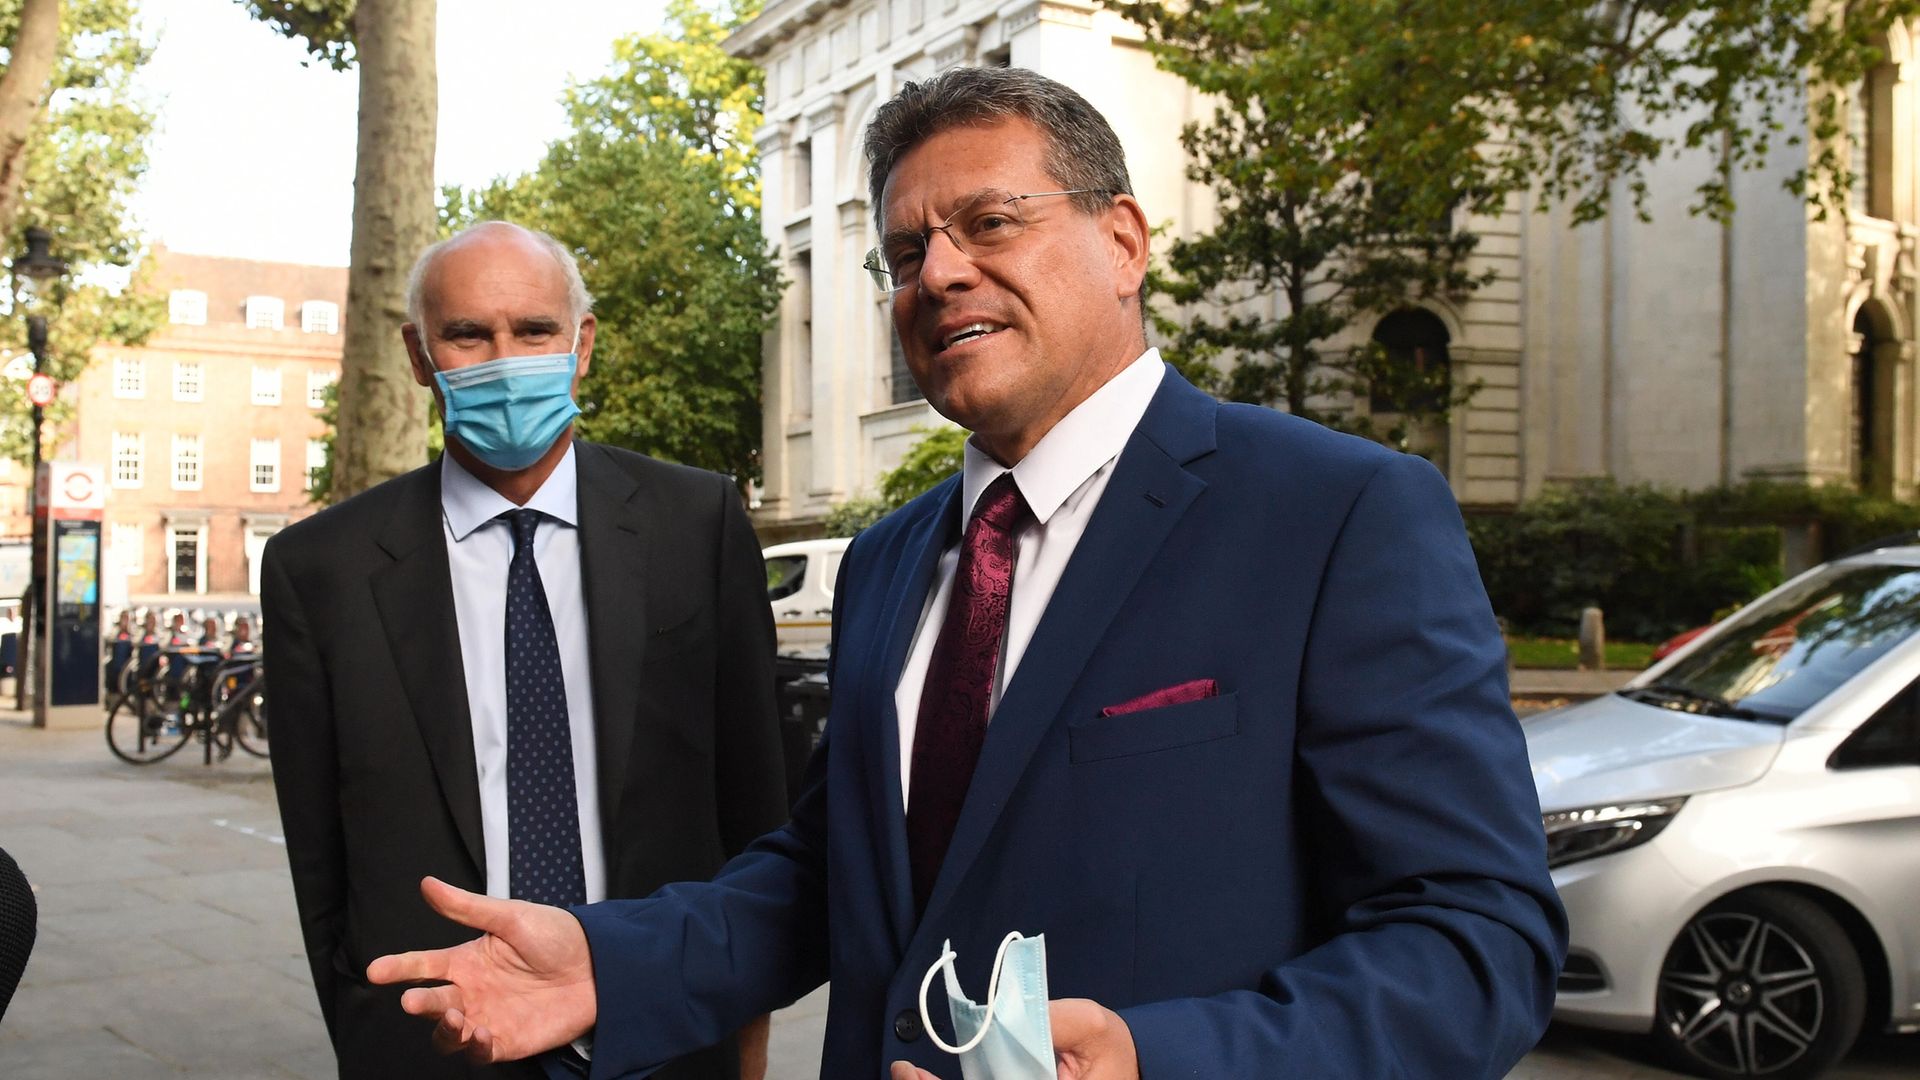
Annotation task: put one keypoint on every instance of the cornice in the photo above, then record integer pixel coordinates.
(780, 21)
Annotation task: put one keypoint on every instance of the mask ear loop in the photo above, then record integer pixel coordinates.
(947, 956)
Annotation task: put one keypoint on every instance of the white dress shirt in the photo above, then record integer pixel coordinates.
(479, 549)
(1062, 479)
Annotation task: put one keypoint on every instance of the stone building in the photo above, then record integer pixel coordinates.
(1679, 352)
(208, 432)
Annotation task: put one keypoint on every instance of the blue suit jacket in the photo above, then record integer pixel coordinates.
(1334, 868)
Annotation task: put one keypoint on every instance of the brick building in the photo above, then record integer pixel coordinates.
(208, 432)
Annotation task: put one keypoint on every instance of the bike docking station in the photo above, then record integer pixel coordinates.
(69, 501)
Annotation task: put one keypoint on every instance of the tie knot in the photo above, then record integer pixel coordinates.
(1001, 505)
(523, 523)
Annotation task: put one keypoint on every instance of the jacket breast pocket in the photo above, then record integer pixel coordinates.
(678, 636)
(1148, 731)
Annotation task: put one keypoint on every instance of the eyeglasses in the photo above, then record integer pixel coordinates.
(988, 222)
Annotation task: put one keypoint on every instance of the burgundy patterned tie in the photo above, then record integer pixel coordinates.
(959, 686)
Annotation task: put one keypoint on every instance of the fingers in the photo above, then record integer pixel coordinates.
(1076, 1022)
(450, 1035)
(466, 908)
(904, 1070)
(428, 966)
(431, 1000)
(455, 1034)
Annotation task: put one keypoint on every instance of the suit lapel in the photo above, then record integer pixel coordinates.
(414, 595)
(615, 549)
(1147, 496)
(906, 598)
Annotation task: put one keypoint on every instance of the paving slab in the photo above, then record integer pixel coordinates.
(169, 945)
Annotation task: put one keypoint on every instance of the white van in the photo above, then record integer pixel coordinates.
(800, 578)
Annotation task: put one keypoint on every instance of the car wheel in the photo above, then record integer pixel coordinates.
(1763, 983)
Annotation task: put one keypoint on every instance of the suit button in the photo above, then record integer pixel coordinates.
(907, 1025)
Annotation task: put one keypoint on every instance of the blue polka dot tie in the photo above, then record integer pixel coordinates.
(543, 813)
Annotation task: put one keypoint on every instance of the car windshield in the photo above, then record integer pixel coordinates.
(1775, 660)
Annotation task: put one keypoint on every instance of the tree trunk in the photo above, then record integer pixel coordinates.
(382, 428)
(23, 93)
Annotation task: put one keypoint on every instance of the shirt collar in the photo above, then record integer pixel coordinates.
(1082, 442)
(468, 503)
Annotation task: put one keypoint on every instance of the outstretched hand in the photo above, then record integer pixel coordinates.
(524, 987)
(1090, 1042)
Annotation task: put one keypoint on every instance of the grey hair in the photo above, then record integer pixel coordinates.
(579, 300)
(1082, 150)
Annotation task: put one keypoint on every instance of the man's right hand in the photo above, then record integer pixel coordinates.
(525, 987)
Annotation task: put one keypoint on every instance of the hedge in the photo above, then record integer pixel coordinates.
(1658, 561)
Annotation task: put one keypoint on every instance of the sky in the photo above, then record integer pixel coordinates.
(253, 153)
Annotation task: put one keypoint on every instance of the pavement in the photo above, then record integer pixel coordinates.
(168, 945)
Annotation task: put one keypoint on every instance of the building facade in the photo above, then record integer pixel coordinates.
(1678, 351)
(210, 431)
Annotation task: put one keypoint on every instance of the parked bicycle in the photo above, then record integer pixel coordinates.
(186, 693)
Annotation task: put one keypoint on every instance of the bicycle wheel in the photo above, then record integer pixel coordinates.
(250, 726)
(141, 735)
(240, 702)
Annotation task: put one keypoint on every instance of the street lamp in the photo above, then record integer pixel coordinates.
(31, 272)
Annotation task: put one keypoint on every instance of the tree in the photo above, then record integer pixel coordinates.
(938, 455)
(382, 412)
(84, 151)
(1347, 139)
(23, 95)
(656, 192)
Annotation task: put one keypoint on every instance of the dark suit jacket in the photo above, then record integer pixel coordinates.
(1334, 868)
(373, 744)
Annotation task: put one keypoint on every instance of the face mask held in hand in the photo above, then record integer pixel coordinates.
(1010, 1037)
(509, 411)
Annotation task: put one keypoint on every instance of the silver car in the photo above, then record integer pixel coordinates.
(1736, 833)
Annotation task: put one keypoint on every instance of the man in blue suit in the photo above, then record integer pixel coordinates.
(1207, 694)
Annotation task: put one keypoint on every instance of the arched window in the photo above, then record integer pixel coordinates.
(1415, 341)
(1872, 411)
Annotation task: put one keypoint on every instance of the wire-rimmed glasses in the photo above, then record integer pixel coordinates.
(986, 222)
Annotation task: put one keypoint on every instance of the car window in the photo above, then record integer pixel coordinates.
(1891, 737)
(784, 575)
(1780, 657)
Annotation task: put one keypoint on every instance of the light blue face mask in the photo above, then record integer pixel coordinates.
(1010, 1037)
(509, 411)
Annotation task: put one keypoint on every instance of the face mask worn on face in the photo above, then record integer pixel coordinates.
(1010, 1038)
(508, 411)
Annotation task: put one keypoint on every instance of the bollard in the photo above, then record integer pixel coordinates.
(1593, 640)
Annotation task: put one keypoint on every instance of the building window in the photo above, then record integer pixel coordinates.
(800, 393)
(263, 459)
(187, 307)
(320, 317)
(266, 385)
(129, 540)
(317, 383)
(186, 463)
(186, 380)
(265, 312)
(129, 377)
(189, 558)
(900, 385)
(316, 460)
(129, 456)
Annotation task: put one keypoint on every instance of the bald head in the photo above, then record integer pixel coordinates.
(496, 242)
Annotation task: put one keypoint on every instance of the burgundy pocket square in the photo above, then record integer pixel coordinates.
(1180, 694)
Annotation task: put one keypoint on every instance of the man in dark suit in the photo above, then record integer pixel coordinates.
(1209, 695)
(538, 667)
